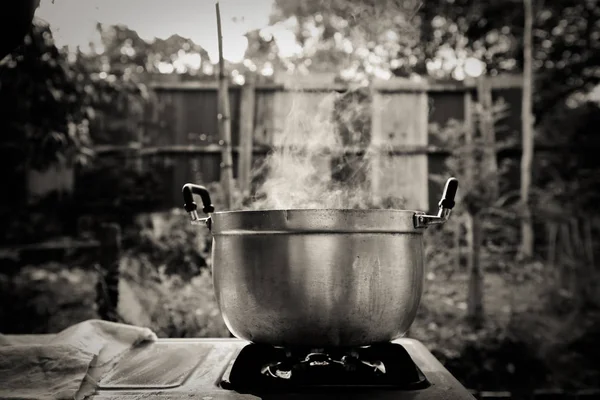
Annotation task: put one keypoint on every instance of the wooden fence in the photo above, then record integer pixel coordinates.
(181, 129)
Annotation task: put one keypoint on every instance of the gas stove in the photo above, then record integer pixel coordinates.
(259, 369)
(213, 369)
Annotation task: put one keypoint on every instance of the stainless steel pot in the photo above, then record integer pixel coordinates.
(318, 278)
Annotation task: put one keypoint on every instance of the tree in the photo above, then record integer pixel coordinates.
(125, 52)
(470, 161)
(15, 20)
(373, 37)
(565, 41)
(49, 102)
(360, 37)
(44, 103)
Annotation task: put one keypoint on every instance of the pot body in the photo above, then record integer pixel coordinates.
(317, 278)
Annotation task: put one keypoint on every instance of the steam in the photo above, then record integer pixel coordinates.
(322, 156)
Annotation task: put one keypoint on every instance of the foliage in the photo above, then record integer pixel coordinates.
(124, 52)
(566, 182)
(531, 335)
(169, 241)
(115, 186)
(566, 41)
(44, 103)
(50, 297)
(174, 305)
(553, 305)
(362, 37)
(49, 100)
(530, 325)
(50, 217)
(375, 38)
(58, 95)
(35, 300)
(524, 330)
(117, 100)
(575, 169)
(479, 187)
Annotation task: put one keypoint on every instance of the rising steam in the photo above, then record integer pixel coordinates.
(322, 156)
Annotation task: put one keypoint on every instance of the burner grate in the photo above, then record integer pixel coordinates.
(260, 367)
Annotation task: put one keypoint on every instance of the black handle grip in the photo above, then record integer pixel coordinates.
(189, 190)
(450, 189)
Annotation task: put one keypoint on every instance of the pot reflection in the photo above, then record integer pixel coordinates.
(322, 289)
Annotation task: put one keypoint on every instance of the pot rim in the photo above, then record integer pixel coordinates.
(313, 210)
(288, 221)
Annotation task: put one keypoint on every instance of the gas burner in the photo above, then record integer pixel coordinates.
(263, 368)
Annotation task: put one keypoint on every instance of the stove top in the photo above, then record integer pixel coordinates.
(212, 369)
(260, 369)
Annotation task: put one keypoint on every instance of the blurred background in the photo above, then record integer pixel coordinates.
(109, 107)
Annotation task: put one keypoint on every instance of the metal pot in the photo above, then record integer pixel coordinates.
(318, 278)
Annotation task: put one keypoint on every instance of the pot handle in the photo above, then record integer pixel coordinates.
(188, 191)
(446, 205)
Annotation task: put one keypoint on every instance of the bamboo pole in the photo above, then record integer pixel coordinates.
(224, 122)
(475, 308)
(527, 134)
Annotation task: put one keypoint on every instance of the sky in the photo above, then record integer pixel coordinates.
(73, 21)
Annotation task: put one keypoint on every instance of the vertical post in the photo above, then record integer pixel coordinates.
(475, 311)
(527, 239)
(376, 143)
(139, 164)
(107, 288)
(423, 140)
(246, 135)
(473, 227)
(488, 133)
(224, 122)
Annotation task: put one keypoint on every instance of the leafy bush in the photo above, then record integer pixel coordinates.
(168, 240)
(46, 299)
(113, 186)
(44, 106)
(173, 306)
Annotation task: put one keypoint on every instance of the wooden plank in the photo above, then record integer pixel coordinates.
(264, 117)
(421, 161)
(200, 118)
(203, 86)
(181, 170)
(305, 119)
(174, 149)
(487, 131)
(376, 142)
(260, 148)
(400, 119)
(168, 118)
(281, 110)
(391, 85)
(246, 136)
